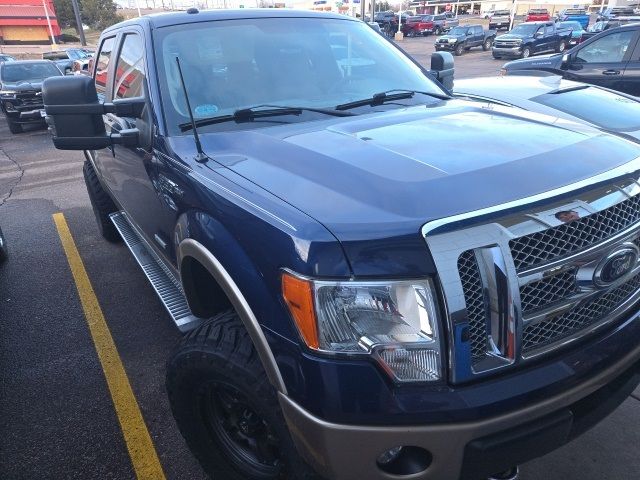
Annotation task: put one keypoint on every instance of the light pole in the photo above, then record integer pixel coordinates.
(76, 12)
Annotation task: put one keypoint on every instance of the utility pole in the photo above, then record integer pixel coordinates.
(46, 14)
(76, 11)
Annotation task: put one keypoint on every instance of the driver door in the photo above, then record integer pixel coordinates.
(604, 60)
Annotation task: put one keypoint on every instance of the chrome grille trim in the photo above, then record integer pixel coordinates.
(540, 247)
(477, 306)
(539, 338)
(493, 229)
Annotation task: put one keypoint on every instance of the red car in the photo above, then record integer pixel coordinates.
(538, 15)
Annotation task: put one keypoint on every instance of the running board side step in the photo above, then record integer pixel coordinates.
(162, 280)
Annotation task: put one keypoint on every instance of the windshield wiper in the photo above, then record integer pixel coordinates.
(260, 111)
(389, 96)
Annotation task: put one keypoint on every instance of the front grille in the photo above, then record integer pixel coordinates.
(29, 98)
(552, 330)
(540, 294)
(476, 304)
(506, 44)
(542, 247)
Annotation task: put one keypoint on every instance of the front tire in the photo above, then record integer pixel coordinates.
(561, 47)
(101, 203)
(14, 127)
(459, 50)
(225, 407)
(487, 44)
(526, 52)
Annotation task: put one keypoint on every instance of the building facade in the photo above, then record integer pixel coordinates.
(25, 22)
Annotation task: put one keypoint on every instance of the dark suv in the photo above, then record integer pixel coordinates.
(358, 306)
(20, 91)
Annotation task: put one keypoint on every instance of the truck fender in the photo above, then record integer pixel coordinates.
(196, 249)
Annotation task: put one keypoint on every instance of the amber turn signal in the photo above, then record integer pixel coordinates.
(298, 295)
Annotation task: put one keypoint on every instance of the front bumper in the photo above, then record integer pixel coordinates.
(446, 46)
(507, 52)
(466, 450)
(23, 113)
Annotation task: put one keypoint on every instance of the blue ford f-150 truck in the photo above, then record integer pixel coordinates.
(357, 307)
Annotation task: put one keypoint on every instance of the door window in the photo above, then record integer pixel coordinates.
(608, 49)
(102, 66)
(130, 77)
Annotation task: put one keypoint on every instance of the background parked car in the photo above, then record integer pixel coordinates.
(6, 58)
(537, 15)
(65, 59)
(488, 14)
(530, 39)
(465, 37)
(603, 25)
(614, 12)
(419, 25)
(603, 60)
(600, 107)
(579, 15)
(501, 19)
(21, 91)
(576, 30)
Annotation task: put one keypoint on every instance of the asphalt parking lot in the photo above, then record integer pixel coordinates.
(58, 414)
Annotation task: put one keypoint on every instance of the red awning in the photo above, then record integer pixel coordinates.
(24, 11)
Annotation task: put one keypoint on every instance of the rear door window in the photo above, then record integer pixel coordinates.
(610, 48)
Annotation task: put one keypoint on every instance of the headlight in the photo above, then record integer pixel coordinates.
(7, 94)
(393, 321)
(452, 40)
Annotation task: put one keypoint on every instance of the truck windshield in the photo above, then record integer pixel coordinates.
(458, 31)
(236, 64)
(525, 29)
(28, 72)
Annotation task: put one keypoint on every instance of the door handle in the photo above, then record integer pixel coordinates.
(611, 72)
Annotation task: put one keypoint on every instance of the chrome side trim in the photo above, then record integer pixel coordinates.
(191, 248)
(630, 168)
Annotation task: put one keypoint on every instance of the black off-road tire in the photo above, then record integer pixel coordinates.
(14, 127)
(214, 364)
(101, 203)
(562, 46)
(526, 52)
(487, 44)
(459, 50)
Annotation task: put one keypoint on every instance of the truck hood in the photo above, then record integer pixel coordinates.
(385, 175)
(551, 61)
(512, 36)
(23, 86)
(449, 35)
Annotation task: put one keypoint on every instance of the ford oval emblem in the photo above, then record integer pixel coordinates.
(615, 266)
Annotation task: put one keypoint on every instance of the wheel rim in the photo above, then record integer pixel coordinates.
(525, 53)
(243, 435)
(561, 47)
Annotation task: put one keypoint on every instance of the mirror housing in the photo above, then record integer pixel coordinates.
(442, 68)
(565, 59)
(74, 114)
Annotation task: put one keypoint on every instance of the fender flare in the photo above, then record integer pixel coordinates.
(191, 248)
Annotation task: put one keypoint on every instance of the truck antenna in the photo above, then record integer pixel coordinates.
(200, 157)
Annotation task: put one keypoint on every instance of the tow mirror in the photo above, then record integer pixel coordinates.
(442, 68)
(74, 114)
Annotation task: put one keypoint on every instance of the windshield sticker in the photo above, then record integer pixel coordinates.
(205, 110)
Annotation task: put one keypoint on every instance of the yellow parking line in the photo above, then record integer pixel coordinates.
(141, 449)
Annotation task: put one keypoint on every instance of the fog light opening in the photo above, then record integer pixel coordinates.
(404, 460)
